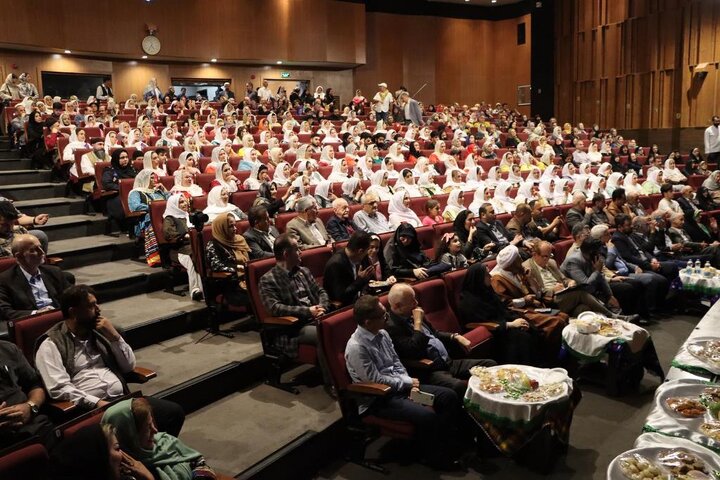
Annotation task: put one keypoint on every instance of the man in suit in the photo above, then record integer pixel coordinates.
(579, 213)
(345, 277)
(411, 108)
(522, 224)
(631, 251)
(306, 226)
(547, 281)
(415, 339)
(261, 236)
(618, 205)
(491, 231)
(340, 226)
(29, 287)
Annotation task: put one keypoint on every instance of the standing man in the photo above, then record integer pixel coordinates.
(412, 110)
(104, 90)
(264, 93)
(382, 102)
(712, 140)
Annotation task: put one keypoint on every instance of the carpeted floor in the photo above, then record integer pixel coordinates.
(602, 428)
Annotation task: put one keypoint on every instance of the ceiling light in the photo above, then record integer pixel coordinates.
(144, 57)
(279, 62)
(493, 1)
(213, 60)
(68, 51)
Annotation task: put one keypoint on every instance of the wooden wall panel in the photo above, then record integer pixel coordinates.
(268, 30)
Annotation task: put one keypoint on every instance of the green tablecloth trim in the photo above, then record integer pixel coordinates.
(651, 429)
(590, 358)
(691, 368)
(519, 424)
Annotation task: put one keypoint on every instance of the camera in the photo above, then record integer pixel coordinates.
(198, 219)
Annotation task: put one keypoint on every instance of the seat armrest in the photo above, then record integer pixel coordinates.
(135, 214)
(489, 325)
(377, 389)
(220, 275)
(53, 260)
(60, 406)
(279, 320)
(140, 375)
(423, 363)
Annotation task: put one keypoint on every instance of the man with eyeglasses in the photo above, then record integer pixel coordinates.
(306, 226)
(559, 291)
(371, 357)
(369, 219)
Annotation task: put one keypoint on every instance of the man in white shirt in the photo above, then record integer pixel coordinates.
(382, 102)
(83, 359)
(579, 155)
(369, 219)
(712, 140)
(104, 90)
(264, 92)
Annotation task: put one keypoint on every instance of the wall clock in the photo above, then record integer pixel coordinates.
(151, 45)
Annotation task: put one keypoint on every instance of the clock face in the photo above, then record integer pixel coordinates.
(151, 45)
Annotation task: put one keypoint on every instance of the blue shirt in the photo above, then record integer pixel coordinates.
(39, 290)
(372, 358)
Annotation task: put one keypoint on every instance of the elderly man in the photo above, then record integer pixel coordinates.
(29, 287)
(369, 219)
(617, 206)
(559, 291)
(579, 213)
(411, 108)
(544, 228)
(630, 250)
(701, 248)
(83, 359)
(306, 226)
(261, 235)
(382, 101)
(340, 226)
(579, 155)
(521, 224)
(634, 205)
(415, 339)
(653, 285)
(370, 357)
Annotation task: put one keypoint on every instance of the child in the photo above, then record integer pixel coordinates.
(448, 251)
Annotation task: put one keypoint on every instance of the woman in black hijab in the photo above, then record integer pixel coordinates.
(35, 146)
(267, 194)
(480, 304)
(120, 167)
(406, 259)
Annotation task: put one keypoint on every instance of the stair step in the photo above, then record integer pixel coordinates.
(32, 191)
(181, 359)
(5, 152)
(14, 162)
(73, 226)
(9, 177)
(156, 316)
(89, 250)
(269, 419)
(54, 206)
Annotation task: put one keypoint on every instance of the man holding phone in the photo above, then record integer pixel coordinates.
(371, 357)
(346, 273)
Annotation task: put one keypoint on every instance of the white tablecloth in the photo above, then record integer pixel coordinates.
(593, 346)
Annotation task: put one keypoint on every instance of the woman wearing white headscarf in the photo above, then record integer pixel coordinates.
(454, 205)
(145, 191)
(188, 161)
(506, 162)
(327, 157)
(324, 195)
(672, 174)
(299, 188)
(597, 185)
(473, 178)
(545, 190)
(258, 175)
(614, 181)
(535, 175)
(339, 171)
(185, 184)
(282, 176)
(167, 139)
(630, 184)
(78, 139)
(581, 185)
(394, 153)
(593, 154)
(514, 177)
(406, 182)
(651, 186)
(151, 162)
(550, 172)
(225, 178)
(493, 177)
(561, 194)
(453, 180)
(363, 168)
(399, 211)
(527, 192)
(310, 172)
(176, 226)
(586, 169)
(111, 141)
(604, 170)
(275, 156)
(217, 203)
(217, 157)
(426, 183)
(380, 186)
(388, 166)
(423, 166)
(569, 171)
(501, 201)
(480, 197)
(351, 190)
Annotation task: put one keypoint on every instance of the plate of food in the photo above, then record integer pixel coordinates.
(378, 283)
(520, 383)
(708, 352)
(662, 463)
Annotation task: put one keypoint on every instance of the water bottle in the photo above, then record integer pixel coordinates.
(708, 270)
(698, 267)
(689, 267)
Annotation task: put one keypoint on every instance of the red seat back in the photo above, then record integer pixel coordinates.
(25, 331)
(126, 184)
(27, 462)
(560, 250)
(315, 259)
(334, 332)
(157, 208)
(432, 298)
(254, 271)
(453, 287)
(6, 263)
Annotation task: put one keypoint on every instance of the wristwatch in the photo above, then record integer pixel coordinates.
(33, 408)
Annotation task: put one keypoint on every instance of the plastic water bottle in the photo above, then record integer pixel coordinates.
(698, 267)
(689, 268)
(708, 270)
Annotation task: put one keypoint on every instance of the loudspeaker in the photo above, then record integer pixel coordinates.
(521, 34)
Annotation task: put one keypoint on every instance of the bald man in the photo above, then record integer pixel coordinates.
(415, 339)
(30, 286)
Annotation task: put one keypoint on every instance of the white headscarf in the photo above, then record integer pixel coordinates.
(172, 208)
(349, 186)
(142, 181)
(337, 175)
(672, 174)
(580, 184)
(388, 166)
(566, 171)
(398, 212)
(560, 197)
(322, 190)
(215, 204)
(232, 186)
(628, 183)
(394, 153)
(478, 199)
(595, 187)
(550, 172)
(453, 204)
(501, 198)
(194, 190)
(279, 176)
(613, 181)
(383, 193)
(492, 177)
(402, 184)
(604, 169)
(525, 194)
(325, 155)
(545, 191)
(147, 163)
